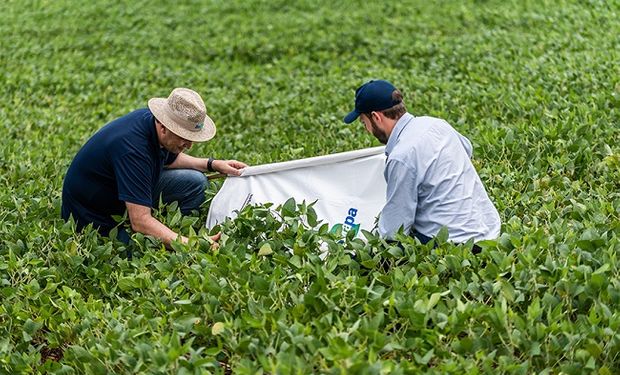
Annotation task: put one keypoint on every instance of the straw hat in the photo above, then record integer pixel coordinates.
(184, 113)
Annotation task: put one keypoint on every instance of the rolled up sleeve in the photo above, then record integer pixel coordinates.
(401, 199)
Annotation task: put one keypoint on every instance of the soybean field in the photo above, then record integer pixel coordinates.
(534, 84)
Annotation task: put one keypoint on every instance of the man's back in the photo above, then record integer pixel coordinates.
(431, 161)
(119, 163)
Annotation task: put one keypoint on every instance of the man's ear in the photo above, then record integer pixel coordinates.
(163, 128)
(376, 115)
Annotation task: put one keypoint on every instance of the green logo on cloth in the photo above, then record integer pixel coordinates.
(200, 125)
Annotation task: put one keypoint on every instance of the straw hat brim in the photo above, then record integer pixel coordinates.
(158, 107)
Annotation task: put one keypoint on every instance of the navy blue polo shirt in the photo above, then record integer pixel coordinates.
(120, 163)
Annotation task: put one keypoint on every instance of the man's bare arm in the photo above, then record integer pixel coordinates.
(229, 167)
(143, 222)
(189, 162)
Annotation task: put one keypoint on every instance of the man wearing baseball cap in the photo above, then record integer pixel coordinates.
(431, 182)
(134, 160)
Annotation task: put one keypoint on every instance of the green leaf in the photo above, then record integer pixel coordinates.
(435, 297)
(183, 302)
(265, 249)
(127, 283)
(288, 209)
(604, 268)
(423, 360)
(217, 328)
(31, 327)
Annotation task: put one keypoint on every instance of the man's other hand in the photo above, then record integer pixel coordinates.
(215, 245)
(216, 237)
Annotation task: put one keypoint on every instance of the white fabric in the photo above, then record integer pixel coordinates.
(349, 188)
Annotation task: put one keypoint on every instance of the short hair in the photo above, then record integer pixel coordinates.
(397, 110)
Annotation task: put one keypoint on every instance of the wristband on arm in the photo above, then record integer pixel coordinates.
(210, 165)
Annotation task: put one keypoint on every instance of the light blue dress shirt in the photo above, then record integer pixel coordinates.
(431, 183)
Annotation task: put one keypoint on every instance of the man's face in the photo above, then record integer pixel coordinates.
(373, 128)
(173, 142)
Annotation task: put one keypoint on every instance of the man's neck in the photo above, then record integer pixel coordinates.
(390, 124)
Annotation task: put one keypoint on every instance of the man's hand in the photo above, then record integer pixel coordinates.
(216, 237)
(215, 241)
(143, 222)
(228, 167)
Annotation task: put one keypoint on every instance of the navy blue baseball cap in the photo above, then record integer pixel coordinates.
(375, 95)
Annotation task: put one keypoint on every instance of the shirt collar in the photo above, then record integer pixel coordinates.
(398, 128)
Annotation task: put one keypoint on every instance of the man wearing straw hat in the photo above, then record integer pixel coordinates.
(136, 159)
